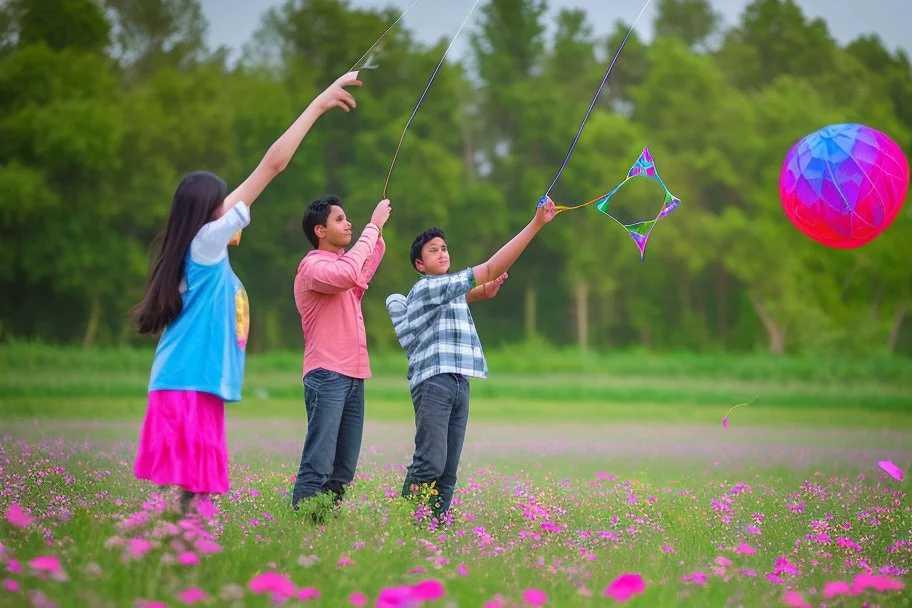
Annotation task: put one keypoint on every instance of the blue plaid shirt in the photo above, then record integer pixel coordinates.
(435, 327)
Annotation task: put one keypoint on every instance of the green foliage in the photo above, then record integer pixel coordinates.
(106, 104)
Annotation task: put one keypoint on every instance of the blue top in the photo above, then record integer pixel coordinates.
(203, 349)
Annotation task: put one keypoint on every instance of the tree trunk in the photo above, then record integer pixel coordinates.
(94, 321)
(722, 302)
(775, 334)
(898, 319)
(468, 148)
(582, 316)
(876, 301)
(530, 313)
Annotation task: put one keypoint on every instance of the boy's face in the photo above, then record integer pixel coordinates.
(338, 230)
(435, 259)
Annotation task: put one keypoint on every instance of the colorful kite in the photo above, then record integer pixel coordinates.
(844, 184)
(639, 231)
(644, 166)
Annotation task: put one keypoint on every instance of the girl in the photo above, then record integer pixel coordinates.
(197, 301)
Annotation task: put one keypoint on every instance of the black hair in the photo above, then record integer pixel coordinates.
(317, 214)
(195, 201)
(421, 240)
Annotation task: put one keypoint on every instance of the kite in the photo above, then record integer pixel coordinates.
(644, 166)
(725, 419)
(843, 185)
(639, 231)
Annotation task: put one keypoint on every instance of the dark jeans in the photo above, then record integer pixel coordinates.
(441, 415)
(335, 421)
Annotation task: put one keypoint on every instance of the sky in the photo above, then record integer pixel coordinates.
(232, 22)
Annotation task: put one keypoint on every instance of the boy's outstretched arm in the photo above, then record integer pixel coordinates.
(507, 255)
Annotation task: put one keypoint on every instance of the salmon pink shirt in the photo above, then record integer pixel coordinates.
(328, 289)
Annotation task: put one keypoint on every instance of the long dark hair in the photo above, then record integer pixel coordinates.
(195, 200)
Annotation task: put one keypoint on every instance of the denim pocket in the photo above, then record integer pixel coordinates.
(316, 378)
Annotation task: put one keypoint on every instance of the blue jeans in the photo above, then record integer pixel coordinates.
(441, 415)
(335, 422)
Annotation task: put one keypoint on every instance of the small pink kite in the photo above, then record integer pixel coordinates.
(725, 419)
(891, 469)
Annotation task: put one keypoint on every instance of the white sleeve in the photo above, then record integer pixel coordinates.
(210, 244)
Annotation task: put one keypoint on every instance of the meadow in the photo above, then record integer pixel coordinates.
(586, 481)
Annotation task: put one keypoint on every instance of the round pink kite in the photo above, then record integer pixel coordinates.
(844, 184)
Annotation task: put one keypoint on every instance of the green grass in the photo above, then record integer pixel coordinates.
(39, 381)
(548, 427)
(595, 532)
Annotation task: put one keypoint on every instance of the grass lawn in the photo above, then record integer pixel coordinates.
(573, 476)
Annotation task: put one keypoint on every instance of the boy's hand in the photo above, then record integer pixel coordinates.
(545, 212)
(492, 287)
(335, 96)
(381, 213)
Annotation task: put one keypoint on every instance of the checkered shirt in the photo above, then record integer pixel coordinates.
(435, 327)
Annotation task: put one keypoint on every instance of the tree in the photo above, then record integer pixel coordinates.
(153, 34)
(694, 22)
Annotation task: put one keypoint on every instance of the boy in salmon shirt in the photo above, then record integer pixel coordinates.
(328, 288)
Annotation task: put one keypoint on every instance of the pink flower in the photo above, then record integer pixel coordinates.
(345, 561)
(13, 566)
(188, 558)
(50, 565)
(866, 580)
(745, 549)
(428, 590)
(357, 599)
(394, 597)
(308, 593)
(11, 585)
(192, 595)
(137, 547)
(535, 597)
(834, 588)
(891, 469)
(625, 586)
(17, 517)
(207, 546)
(793, 599)
(273, 583)
(462, 570)
(206, 509)
(668, 549)
(725, 423)
(723, 561)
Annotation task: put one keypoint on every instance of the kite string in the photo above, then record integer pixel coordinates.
(591, 105)
(421, 99)
(383, 35)
(236, 239)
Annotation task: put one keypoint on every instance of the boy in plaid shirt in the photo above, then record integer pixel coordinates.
(435, 328)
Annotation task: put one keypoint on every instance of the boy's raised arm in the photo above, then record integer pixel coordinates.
(507, 255)
(347, 271)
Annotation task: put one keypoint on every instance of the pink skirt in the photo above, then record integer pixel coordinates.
(183, 443)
